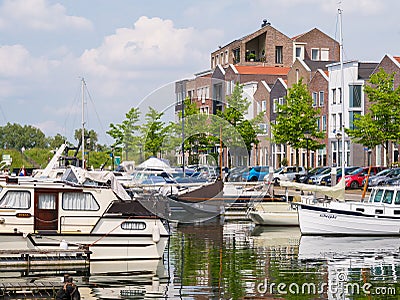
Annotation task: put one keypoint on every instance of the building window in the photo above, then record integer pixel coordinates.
(264, 105)
(314, 54)
(334, 122)
(324, 123)
(213, 62)
(275, 106)
(298, 52)
(340, 121)
(353, 115)
(321, 98)
(319, 124)
(204, 110)
(324, 54)
(355, 95)
(236, 55)
(279, 54)
(333, 96)
(315, 99)
(226, 57)
(297, 75)
(340, 95)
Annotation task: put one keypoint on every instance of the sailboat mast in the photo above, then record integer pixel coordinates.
(342, 88)
(83, 123)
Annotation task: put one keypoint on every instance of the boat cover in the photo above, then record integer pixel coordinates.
(336, 192)
(102, 177)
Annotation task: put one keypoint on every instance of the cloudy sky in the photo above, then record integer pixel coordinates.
(128, 51)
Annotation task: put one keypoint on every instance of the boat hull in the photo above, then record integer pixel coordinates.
(327, 220)
(104, 248)
(274, 214)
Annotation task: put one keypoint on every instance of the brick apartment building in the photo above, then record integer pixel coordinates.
(268, 62)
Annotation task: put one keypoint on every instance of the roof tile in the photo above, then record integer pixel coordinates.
(262, 70)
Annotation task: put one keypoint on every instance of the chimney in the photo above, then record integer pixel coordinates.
(265, 23)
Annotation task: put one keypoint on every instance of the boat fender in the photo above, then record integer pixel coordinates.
(156, 233)
(64, 245)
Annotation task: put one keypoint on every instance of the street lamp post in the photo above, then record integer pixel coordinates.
(307, 136)
(335, 166)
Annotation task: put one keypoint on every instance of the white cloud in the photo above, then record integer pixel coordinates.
(365, 7)
(151, 43)
(39, 15)
(15, 61)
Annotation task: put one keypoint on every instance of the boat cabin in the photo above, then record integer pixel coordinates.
(385, 195)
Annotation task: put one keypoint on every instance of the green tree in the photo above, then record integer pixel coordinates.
(295, 119)
(90, 138)
(234, 114)
(56, 141)
(381, 125)
(153, 132)
(126, 134)
(18, 137)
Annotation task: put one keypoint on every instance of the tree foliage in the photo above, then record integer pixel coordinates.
(126, 133)
(16, 136)
(153, 132)
(90, 138)
(381, 125)
(296, 119)
(234, 114)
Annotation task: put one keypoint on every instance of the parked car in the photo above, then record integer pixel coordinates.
(316, 179)
(316, 171)
(327, 179)
(392, 181)
(382, 177)
(236, 174)
(286, 173)
(256, 173)
(354, 179)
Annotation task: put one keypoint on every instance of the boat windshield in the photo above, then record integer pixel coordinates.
(376, 196)
(397, 199)
(388, 197)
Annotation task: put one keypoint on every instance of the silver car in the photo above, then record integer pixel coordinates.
(382, 176)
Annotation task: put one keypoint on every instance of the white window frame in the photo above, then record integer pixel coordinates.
(324, 54)
(317, 51)
(321, 99)
(264, 105)
(315, 99)
(275, 106)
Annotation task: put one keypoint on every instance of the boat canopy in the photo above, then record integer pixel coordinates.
(80, 176)
(336, 192)
(156, 164)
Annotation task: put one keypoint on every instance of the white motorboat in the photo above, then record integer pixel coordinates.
(86, 210)
(379, 215)
(274, 214)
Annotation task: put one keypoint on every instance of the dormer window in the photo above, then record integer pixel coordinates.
(315, 54)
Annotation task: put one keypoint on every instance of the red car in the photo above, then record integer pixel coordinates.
(354, 179)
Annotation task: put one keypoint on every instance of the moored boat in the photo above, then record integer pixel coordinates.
(379, 215)
(274, 214)
(85, 210)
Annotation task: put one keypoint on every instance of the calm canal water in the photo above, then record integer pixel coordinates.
(237, 260)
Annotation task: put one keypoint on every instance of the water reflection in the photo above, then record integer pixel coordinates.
(237, 260)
